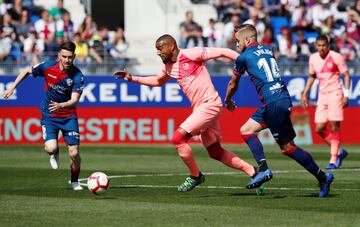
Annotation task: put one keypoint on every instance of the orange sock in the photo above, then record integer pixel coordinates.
(184, 150)
(187, 156)
(230, 159)
(335, 146)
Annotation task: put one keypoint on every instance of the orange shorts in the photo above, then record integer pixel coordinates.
(329, 108)
(204, 120)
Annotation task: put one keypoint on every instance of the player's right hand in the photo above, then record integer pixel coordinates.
(230, 105)
(123, 74)
(8, 93)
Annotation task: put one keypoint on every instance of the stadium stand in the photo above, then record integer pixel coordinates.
(36, 36)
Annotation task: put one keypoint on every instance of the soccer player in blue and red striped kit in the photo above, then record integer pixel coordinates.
(64, 84)
(259, 62)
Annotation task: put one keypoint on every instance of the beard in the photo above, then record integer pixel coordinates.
(165, 60)
(66, 67)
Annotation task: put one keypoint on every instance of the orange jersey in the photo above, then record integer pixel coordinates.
(328, 71)
(192, 76)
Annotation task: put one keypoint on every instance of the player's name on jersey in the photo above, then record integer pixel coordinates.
(258, 52)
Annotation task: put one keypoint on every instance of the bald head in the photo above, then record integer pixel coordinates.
(166, 39)
(167, 48)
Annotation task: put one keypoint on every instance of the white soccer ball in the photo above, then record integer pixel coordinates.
(98, 183)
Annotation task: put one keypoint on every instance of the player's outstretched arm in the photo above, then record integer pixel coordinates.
(230, 92)
(213, 53)
(158, 80)
(309, 83)
(22, 75)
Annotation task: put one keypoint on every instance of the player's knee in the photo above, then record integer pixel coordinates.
(320, 129)
(178, 138)
(215, 151)
(244, 130)
(288, 149)
(50, 149)
(335, 128)
(74, 152)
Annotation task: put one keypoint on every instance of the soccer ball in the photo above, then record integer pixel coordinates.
(98, 183)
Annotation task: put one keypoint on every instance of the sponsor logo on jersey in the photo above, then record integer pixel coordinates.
(58, 88)
(185, 79)
(52, 76)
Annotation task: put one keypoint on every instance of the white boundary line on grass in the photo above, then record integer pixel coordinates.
(217, 187)
(233, 187)
(216, 173)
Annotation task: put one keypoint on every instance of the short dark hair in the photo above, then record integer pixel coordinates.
(323, 38)
(70, 46)
(166, 37)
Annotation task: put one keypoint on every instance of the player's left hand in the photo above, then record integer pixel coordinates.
(230, 105)
(345, 101)
(54, 106)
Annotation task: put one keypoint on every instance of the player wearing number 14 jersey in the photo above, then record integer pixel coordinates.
(259, 62)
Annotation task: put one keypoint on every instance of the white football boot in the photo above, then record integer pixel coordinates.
(76, 186)
(54, 160)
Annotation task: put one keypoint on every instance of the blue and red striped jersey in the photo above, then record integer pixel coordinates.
(58, 87)
(259, 62)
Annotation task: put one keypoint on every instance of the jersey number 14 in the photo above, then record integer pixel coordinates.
(271, 72)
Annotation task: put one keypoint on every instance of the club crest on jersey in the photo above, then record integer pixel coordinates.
(69, 82)
(185, 66)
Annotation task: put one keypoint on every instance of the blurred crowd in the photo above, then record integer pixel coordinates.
(30, 34)
(289, 26)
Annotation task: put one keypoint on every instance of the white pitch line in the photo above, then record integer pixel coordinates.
(232, 187)
(228, 187)
(211, 173)
(218, 187)
(215, 173)
(225, 187)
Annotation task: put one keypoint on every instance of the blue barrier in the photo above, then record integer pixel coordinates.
(107, 91)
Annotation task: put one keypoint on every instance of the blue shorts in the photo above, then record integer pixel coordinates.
(68, 126)
(276, 117)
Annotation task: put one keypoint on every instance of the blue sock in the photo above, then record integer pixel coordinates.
(255, 147)
(305, 159)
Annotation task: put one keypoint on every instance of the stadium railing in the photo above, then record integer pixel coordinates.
(214, 67)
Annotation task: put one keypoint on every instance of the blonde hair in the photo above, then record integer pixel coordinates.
(246, 31)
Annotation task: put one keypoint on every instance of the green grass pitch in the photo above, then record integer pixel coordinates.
(143, 190)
